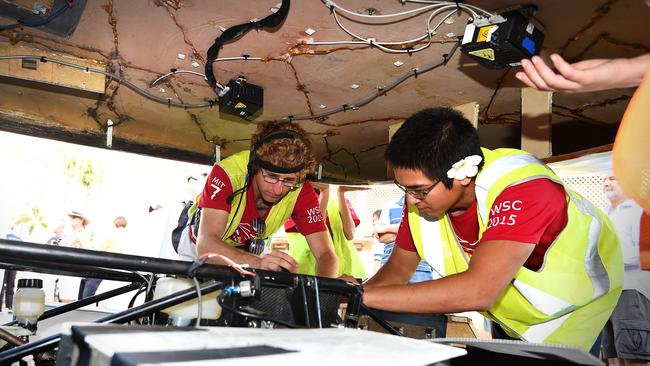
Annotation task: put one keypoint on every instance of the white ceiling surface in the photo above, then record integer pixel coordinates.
(148, 36)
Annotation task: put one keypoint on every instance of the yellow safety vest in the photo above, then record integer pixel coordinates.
(235, 167)
(349, 260)
(569, 299)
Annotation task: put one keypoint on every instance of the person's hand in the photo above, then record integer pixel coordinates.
(323, 187)
(352, 281)
(582, 76)
(277, 261)
(349, 279)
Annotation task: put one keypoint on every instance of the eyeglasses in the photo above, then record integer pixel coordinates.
(274, 179)
(420, 193)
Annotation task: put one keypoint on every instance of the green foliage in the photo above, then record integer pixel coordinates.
(31, 219)
(83, 172)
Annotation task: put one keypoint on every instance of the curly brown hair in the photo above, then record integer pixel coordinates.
(284, 152)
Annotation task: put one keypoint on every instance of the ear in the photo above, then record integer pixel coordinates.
(465, 182)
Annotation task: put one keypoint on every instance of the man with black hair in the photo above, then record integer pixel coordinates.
(250, 194)
(503, 235)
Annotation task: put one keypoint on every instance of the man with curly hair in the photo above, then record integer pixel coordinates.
(250, 194)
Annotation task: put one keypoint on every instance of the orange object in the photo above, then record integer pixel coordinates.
(644, 241)
(631, 152)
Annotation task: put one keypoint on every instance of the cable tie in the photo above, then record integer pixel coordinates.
(330, 5)
(345, 107)
(457, 5)
(87, 69)
(245, 56)
(409, 51)
(169, 102)
(445, 58)
(43, 59)
(173, 71)
(415, 72)
(191, 272)
(290, 118)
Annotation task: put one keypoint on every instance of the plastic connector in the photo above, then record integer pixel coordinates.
(223, 91)
(246, 289)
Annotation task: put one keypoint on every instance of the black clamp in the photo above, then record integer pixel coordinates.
(43, 59)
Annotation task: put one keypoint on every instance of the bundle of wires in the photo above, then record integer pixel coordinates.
(39, 22)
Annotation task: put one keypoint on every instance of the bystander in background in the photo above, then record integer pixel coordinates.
(387, 227)
(113, 243)
(341, 221)
(625, 337)
(79, 237)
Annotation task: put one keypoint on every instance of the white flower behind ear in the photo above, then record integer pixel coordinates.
(465, 168)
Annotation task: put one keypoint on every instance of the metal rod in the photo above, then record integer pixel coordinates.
(50, 342)
(15, 341)
(90, 300)
(10, 338)
(381, 321)
(53, 257)
(162, 303)
(42, 345)
(86, 301)
(74, 270)
(48, 256)
(301, 280)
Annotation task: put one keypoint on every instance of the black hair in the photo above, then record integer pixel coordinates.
(431, 141)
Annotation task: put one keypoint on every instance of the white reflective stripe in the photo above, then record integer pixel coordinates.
(542, 301)
(481, 199)
(593, 262)
(494, 171)
(539, 332)
(432, 245)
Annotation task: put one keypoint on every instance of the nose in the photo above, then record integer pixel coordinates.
(277, 188)
(412, 200)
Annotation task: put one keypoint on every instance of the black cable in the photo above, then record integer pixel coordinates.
(39, 22)
(233, 33)
(380, 91)
(140, 290)
(344, 107)
(250, 315)
(112, 76)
